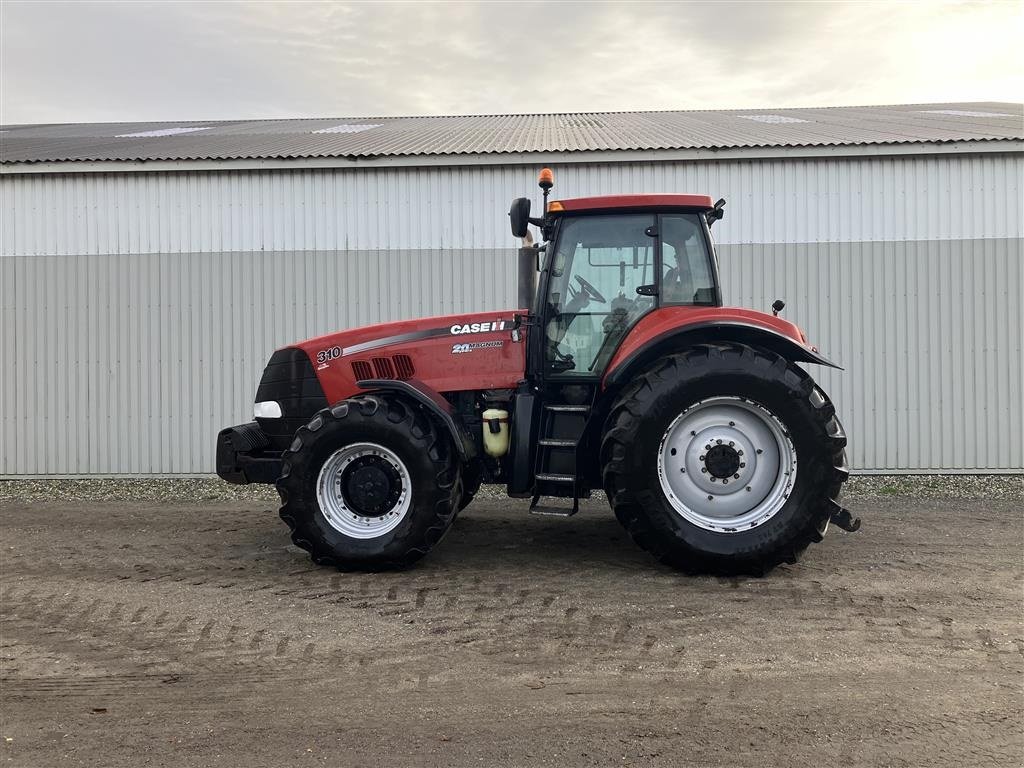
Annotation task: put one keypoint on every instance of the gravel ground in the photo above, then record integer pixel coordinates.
(192, 633)
(996, 487)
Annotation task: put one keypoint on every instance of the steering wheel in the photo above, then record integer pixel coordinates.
(591, 291)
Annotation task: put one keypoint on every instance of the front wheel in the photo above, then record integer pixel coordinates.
(369, 484)
(724, 459)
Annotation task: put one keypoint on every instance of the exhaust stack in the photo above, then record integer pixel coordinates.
(527, 278)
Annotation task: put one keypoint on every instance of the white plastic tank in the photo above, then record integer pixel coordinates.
(495, 432)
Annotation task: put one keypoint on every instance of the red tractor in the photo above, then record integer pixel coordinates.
(621, 371)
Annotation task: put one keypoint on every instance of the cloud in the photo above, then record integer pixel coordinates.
(190, 61)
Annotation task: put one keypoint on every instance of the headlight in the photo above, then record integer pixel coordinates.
(269, 409)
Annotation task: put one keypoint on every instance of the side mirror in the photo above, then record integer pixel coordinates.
(716, 213)
(519, 216)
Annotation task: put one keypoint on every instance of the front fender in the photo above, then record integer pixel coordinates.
(433, 403)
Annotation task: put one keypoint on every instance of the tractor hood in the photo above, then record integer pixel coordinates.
(448, 353)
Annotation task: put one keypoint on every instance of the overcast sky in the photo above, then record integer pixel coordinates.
(85, 61)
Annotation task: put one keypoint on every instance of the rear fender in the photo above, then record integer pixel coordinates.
(433, 403)
(717, 331)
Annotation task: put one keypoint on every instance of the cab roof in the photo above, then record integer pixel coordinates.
(631, 202)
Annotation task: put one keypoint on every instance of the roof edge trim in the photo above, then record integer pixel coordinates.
(973, 146)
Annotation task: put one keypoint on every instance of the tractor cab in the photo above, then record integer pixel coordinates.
(613, 260)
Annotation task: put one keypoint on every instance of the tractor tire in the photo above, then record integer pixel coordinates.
(369, 484)
(676, 460)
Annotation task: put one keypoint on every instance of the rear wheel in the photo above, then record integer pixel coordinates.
(724, 459)
(370, 483)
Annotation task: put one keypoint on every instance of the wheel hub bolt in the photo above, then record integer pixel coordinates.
(732, 424)
(760, 451)
(711, 498)
(736, 476)
(718, 442)
(704, 470)
(742, 464)
(701, 458)
(748, 489)
(731, 443)
(725, 482)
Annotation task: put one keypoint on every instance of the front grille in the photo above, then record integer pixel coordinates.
(290, 380)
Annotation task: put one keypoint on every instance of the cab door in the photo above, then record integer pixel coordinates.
(602, 277)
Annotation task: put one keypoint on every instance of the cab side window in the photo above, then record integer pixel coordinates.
(686, 276)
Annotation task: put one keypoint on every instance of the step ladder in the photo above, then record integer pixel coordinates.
(555, 469)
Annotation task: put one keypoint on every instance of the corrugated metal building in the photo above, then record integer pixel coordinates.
(148, 270)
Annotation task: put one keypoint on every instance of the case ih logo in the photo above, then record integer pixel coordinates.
(497, 325)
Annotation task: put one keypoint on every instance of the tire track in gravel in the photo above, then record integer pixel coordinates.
(902, 641)
(497, 604)
(124, 638)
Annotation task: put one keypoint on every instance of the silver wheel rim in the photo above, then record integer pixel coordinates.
(339, 512)
(719, 434)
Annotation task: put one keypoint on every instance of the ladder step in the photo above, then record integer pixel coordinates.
(556, 478)
(553, 511)
(557, 443)
(568, 408)
(538, 509)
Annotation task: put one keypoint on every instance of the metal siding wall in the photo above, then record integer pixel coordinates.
(945, 197)
(139, 309)
(131, 363)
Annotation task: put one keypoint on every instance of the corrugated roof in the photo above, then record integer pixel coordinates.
(372, 137)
